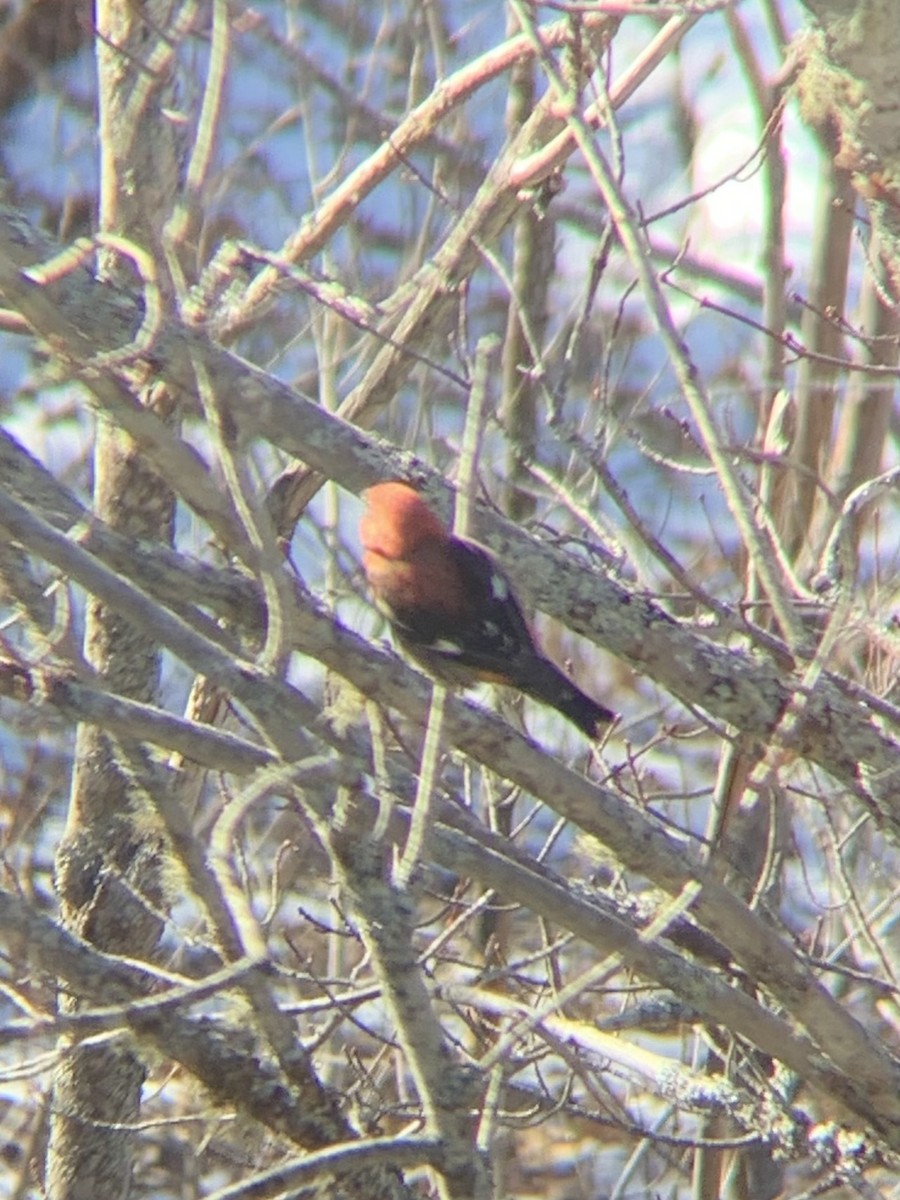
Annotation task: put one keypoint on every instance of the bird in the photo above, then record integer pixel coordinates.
(452, 609)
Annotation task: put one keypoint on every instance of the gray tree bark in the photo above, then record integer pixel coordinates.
(848, 85)
(109, 861)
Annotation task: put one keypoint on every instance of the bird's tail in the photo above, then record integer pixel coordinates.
(544, 681)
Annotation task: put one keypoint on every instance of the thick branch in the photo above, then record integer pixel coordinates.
(735, 687)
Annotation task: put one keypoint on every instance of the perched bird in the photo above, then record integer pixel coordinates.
(452, 609)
